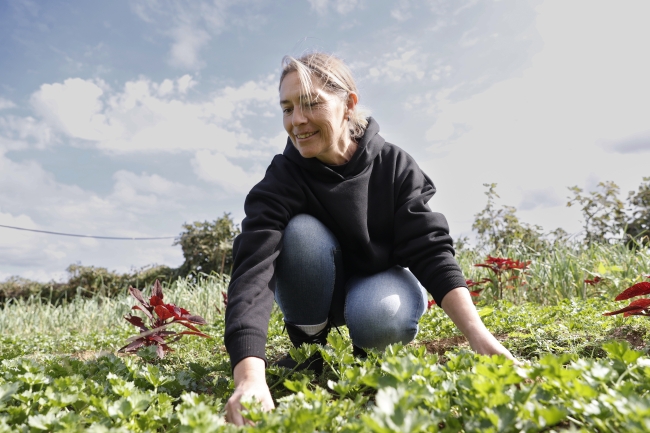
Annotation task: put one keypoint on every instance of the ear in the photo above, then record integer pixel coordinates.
(353, 99)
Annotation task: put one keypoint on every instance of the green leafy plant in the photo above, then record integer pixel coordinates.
(603, 212)
(58, 373)
(160, 316)
(637, 229)
(500, 227)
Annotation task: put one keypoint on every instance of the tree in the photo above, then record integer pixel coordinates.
(638, 226)
(603, 212)
(207, 246)
(497, 228)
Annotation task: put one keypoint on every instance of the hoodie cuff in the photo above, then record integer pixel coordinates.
(245, 343)
(447, 282)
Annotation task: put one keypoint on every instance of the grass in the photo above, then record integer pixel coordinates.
(59, 370)
(559, 272)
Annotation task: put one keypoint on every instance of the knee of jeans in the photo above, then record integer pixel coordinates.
(304, 228)
(380, 326)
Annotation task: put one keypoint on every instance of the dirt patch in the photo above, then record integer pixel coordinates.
(442, 345)
(636, 337)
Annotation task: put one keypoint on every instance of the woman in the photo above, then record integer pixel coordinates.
(329, 233)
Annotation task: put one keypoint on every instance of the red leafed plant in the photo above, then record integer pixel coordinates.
(506, 273)
(639, 307)
(160, 316)
(595, 281)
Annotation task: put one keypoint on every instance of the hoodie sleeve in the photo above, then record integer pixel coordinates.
(269, 206)
(422, 240)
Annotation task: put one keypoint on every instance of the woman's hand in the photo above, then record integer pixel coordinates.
(250, 381)
(459, 307)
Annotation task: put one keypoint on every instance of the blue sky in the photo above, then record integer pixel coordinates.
(129, 118)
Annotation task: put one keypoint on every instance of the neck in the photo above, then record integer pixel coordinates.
(341, 154)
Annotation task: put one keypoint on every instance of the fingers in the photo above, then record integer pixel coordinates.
(233, 411)
(267, 404)
(234, 407)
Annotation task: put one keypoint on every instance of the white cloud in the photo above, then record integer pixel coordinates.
(185, 83)
(166, 87)
(138, 206)
(403, 64)
(148, 116)
(319, 6)
(192, 25)
(549, 127)
(401, 12)
(468, 39)
(75, 107)
(6, 103)
(343, 7)
(188, 41)
(22, 132)
(143, 193)
(17, 243)
(216, 168)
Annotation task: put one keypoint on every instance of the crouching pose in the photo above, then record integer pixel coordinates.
(338, 233)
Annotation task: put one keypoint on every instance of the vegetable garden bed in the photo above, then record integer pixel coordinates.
(580, 371)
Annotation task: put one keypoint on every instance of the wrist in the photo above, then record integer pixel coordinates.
(480, 339)
(249, 369)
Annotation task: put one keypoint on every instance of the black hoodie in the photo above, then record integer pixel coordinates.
(377, 209)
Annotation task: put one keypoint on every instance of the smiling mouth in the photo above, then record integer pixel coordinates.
(305, 135)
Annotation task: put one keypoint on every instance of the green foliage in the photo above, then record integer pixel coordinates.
(58, 372)
(638, 226)
(207, 246)
(559, 272)
(85, 281)
(498, 228)
(602, 210)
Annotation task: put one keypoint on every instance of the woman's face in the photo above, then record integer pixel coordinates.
(318, 130)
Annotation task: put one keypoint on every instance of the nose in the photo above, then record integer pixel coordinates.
(298, 117)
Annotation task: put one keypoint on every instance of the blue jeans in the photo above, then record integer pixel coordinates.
(378, 309)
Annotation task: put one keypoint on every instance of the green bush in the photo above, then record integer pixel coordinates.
(207, 246)
(501, 228)
(86, 281)
(638, 227)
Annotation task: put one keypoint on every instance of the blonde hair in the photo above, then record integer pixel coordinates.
(335, 77)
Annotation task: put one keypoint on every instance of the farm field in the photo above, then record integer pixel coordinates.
(579, 371)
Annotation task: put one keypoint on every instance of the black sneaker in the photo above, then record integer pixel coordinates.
(358, 352)
(298, 338)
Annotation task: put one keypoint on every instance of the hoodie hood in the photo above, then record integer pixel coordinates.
(368, 147)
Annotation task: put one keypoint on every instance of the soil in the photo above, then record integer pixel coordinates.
(443, 345)
(636, 337)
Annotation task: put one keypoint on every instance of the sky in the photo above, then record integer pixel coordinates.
(130, 118)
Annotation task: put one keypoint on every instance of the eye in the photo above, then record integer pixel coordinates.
(286, 110)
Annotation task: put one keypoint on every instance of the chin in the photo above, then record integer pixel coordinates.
(307, 152)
